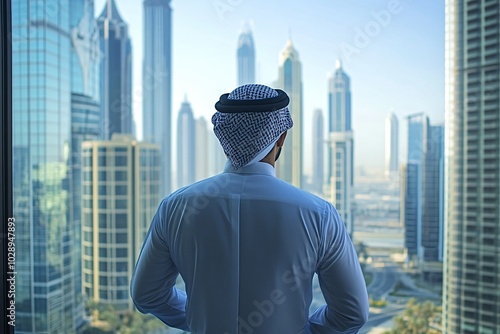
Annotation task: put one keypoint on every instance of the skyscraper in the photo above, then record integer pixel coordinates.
(120, 197)
(471, 292)
(318, 150)
(185, 146)
(41, 110)
(246, 57)
(116, 72)
(216, 156)
(157, 83)
(418, 126)
(341, 147)
(289, 167)
(85, 122)
(410, 207)
(391, 144)
(201, 149)
(433, 206)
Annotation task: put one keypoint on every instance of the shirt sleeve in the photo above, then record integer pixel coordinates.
(152, 287)
(341, 281)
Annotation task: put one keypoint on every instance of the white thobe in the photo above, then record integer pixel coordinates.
(247, 245)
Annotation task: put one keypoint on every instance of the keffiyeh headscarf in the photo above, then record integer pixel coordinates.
(249, 121)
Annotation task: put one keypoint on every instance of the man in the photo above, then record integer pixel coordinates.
(246, 243)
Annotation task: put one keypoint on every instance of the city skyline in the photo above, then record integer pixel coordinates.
(380, 68)
(47, 160)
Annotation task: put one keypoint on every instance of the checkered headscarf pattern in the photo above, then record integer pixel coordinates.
(244, 135)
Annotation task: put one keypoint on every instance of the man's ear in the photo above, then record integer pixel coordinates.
(281, 139)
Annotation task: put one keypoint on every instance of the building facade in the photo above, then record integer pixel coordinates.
(120, 186)
(289, 165)
(410, 208)
(433, 206)
(185, 146)
(471, 291)
(418, 126)
(41, 110)
(246, 57)
(85, 123)
(116, 72)
(341, 148)
(391, 144)
(157, 84)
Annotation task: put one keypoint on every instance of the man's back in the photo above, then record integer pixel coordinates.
(247, 245)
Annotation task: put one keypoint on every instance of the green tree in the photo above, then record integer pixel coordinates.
(105, 320)
(361, 250)
(416, 318)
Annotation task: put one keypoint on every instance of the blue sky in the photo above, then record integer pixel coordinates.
(393, 51)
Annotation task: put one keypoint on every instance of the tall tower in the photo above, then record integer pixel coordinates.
(418, 127)
(289, 167)
(341, 150)
(185, 146)
(391, 144)
(116, 72)
(41, 110)
(85, 122)
(471, 292)
(318, 150)
(201, 149)
(246, 57)
(157, 83)
(433, 206)
(120, 197)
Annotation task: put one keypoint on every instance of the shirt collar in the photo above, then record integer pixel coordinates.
(255, 168)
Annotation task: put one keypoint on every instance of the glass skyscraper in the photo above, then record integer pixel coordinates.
(289, 167)
(185, 146)
(341, 149)
(391, 144)
(41, 46)
(116, 72)
(418, 125)
(433, 206)
(246, 57)
(471, 291)
(157, 83)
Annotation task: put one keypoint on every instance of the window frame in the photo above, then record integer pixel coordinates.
(6, 204)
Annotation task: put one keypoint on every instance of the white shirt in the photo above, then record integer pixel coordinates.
(247, 245)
